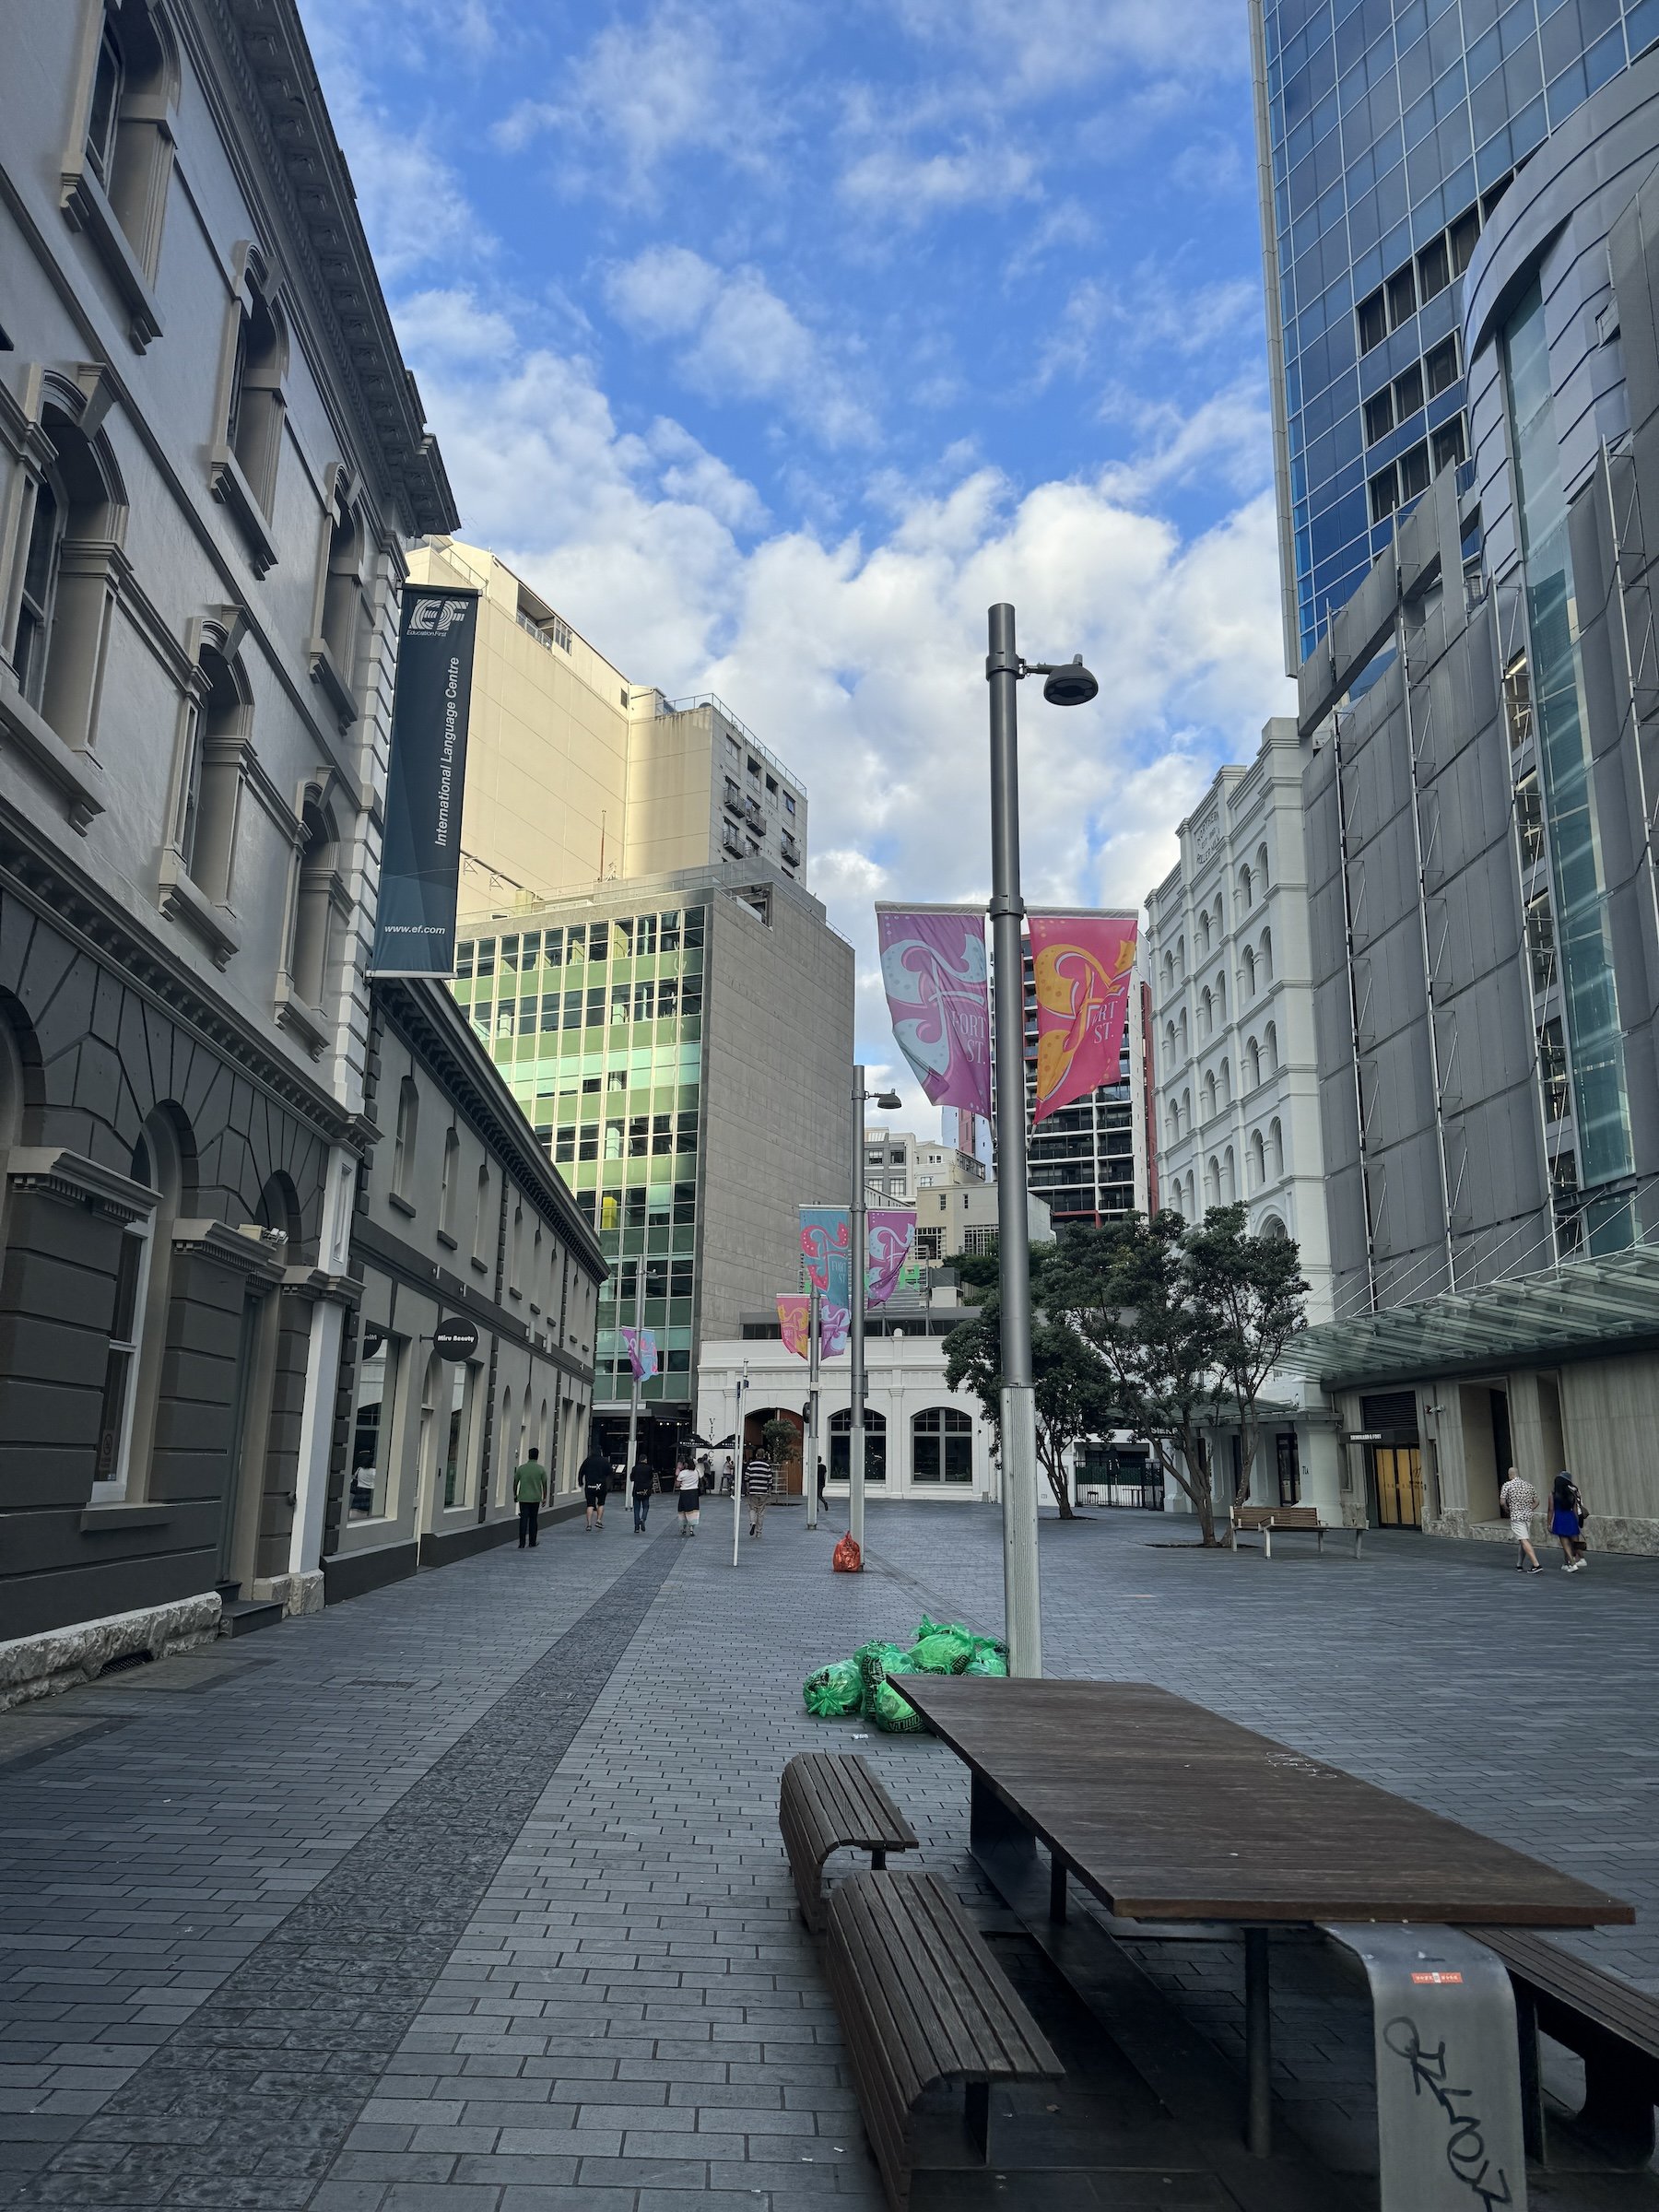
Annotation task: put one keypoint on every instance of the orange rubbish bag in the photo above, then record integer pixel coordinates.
(848, 1558)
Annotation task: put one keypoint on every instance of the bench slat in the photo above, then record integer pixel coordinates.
(920, 2001)
(1579, 1983)
(831, 1801)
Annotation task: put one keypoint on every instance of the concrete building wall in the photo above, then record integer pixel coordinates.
(777, 1070)
(211, 452)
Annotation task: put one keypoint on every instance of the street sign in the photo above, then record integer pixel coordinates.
(1363, 1436)
(456, 1338)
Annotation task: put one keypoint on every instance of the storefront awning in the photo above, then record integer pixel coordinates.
(1571, 1313)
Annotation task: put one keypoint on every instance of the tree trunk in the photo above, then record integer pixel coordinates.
(1053, 1467)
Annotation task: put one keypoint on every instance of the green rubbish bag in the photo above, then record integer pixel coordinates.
(940, 1655)
(986, 1659)
(953, 1632)
(835, 1691)
(883, 1707)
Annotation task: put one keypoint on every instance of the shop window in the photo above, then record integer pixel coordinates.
(840, 1446)
(942, 1445)
(456, 1442)
(369, 1498)
(162, 1161)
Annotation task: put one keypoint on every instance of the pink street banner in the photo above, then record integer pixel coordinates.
(890, 1236)
(826, 1249)
(794, 1319)
(1082, 966)
(934, 970)
(641, 1352)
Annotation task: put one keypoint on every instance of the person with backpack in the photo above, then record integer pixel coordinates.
(595, 1478)
(1566, 1518)
(530, 1488)
(639, 1482)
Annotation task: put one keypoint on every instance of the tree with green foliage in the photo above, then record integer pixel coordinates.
(1254, 1287)
(1131, 1291)
(780, 1441)
(1072, 1390)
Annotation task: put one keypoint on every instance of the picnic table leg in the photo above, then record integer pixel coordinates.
(1258, 2046)
(1532, 2078)
(992, 1827)
(1056, 1888)
(1450, 2126)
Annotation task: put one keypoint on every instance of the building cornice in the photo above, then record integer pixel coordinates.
(263, 47)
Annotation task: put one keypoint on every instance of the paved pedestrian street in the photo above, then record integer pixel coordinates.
(469, 1894)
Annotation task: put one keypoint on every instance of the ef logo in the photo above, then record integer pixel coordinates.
(432, 617)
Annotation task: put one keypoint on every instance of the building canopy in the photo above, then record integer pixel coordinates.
(1572, 1311)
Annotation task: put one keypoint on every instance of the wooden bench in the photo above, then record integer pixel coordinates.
(1266, 1518)
(923, 2002)
(1613, 2025)
(831, 1801)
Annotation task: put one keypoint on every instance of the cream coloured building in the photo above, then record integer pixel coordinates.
(576, 776)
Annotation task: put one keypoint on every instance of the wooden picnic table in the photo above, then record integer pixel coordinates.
(1170, 1812)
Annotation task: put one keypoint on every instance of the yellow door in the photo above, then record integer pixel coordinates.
(1399, 1486)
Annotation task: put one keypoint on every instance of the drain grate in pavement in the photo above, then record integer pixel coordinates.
(247, 2103)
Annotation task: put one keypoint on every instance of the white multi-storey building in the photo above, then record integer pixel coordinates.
(1235, 1097)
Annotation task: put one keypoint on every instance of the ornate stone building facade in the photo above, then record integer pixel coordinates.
(211, 455)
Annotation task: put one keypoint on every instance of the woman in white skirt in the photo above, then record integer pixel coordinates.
(687, 1486)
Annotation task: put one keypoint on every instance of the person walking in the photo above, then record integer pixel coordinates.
(1519, 1501)
(596, 1481)
(687, 1485)
(728, 1476)
(1567, 1522)
(758, 1483)
(530, 1488)
(823, 1481)
(641, 1482)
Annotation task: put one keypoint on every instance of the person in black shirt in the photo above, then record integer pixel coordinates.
(596, 1481)
(640, 1481)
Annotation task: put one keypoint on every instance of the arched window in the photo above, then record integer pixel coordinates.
(1249, 972)
(1272, 1228)
(129, 144)
(449, 1196)
(1246, 891)
(942, 1445)
(1169, 1044)
(1186, 1108)
(217, 721)
(481, 1220)
(1181, 956)
(408, 1126)
(1266, 960)
(162, 1161)
(1204, 934)
(1212, 1181)
(1222, 997)
(1276, 1147)
(343, 606)
(279, 1210)
(77, 516)
(1261, 862)
(1181, 1031)
(1229, 1178)
(536, 1272)
(1192, 1198)
(1253, 1063)
(515, 1253)
(1168, 972)
(1210, 1095)
(1206, 1013)
(1258, 1164)
(840, 1446)
(1172, 1121)
(1270, 1049)
(316, 890)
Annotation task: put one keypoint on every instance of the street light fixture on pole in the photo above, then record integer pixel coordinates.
(1068, 684)
(889, 1102)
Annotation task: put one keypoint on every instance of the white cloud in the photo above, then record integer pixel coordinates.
(907, 188)
(744, 341)
(689, 473)
(1040, 46)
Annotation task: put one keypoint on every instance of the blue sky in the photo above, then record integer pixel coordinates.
(772, 341)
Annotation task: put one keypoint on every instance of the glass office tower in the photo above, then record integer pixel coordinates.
(1386, 130)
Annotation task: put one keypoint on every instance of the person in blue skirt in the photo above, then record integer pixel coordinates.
(1567, 1522)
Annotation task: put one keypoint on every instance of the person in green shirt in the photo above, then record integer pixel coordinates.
(529, 1486)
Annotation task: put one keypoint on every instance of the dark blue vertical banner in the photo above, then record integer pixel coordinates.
(420, 861)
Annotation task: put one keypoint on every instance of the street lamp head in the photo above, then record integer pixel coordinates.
(890, 1101)
(1071, 686)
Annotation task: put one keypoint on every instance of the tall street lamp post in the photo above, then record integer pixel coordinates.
(1067, 685)
(889, 1102)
